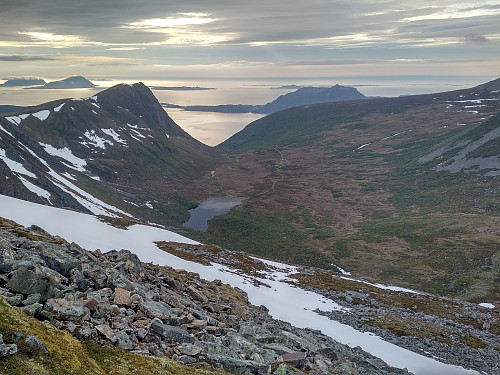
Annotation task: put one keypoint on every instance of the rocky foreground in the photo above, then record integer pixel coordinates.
(115, 300)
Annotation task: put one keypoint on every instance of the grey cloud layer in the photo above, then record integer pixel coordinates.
(313, 32)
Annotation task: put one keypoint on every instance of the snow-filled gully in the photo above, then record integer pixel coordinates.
(284, 301)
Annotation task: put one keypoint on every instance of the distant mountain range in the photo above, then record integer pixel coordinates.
(75, 82)
(15, 82)
(301, 96)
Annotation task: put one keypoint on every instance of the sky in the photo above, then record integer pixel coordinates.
(255, 39)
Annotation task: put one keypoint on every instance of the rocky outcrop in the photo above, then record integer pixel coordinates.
(113, 299)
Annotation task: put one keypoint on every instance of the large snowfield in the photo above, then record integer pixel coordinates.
(284, 301)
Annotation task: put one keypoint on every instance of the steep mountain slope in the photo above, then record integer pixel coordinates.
(118, 146)
(352, 184)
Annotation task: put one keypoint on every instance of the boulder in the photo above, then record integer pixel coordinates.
(155, 309)
(57, 258)
(35, 345)
(65, 308)
(296, 359)
(171, 333)
(26, 281)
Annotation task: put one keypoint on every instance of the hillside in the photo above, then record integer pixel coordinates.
(109, 298)
(115, 152)
(401, 189)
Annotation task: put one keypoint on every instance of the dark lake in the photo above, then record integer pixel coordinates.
(200, 215)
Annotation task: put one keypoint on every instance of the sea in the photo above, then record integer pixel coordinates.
(213, 128)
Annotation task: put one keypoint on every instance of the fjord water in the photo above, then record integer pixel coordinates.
(199, 216)
(212, 128)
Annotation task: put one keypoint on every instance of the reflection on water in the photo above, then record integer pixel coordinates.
(200, 215)
(211, 128)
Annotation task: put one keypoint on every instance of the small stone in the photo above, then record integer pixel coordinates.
(189, 349)
(36, 345)
(122, 297)
(106, 331)
(14, 300)
(155, 309)
(17, 336)
(31, 299)
(32, 309)
(296, 359)
(197, 325)
(91, 304)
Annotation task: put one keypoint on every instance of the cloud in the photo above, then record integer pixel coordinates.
(25, 58)
(471, 38)
(203, 33)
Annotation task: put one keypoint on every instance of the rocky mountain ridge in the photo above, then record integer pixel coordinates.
(100, 154)
(113, 299)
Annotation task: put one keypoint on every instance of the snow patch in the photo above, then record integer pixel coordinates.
(66, 154)
(14, 166)
(67, 175)
(59, 107)
(362, 146)
(111, 132)
(95, 140)
(35, 189)
(385, 287)
(42, 115)
(16, 120)
(5, 131)
(487, 305)
(138, 134)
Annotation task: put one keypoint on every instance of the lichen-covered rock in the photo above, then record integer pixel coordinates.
(26, 281)
(172, 333)
(68, 308)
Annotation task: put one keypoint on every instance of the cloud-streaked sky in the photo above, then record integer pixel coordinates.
(242, 38)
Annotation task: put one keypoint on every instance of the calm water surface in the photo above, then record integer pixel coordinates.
(208, 209)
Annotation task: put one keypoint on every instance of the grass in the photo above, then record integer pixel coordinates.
(261, 234)
(69, 356)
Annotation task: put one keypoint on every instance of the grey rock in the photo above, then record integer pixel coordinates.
(171, 333)
(296, 359)
(68, 308)
(189, 349)
(32, 298)
(32, 309)
(14, 300)
(36, 346)
(26, 281)
(57, 258)
(154, 309)
(123, 341)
